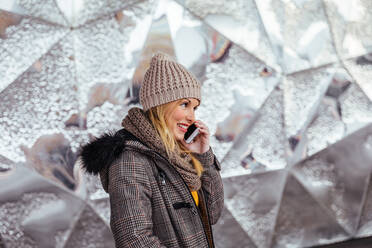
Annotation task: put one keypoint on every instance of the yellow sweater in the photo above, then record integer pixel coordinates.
(196, 197)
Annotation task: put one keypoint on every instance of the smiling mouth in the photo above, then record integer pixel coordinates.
(183, 127)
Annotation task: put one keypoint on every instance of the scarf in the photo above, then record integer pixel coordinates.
(140, 126)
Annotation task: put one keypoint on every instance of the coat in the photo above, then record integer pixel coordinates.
(151, 205)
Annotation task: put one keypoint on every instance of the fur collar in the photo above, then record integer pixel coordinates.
(103, 151)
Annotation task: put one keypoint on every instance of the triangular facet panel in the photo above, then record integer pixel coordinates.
(45, 9)
(238, 21)
(337, 178)
(261, 147)
(356, 108)
(34, 211)
(88, 11)
(360, 69)
(102, 208)
(302, 92)
(253, 200)
(229, 234)
(90, 229)
(298, 48)
(105, 78)
(302, 221)
(351, 26)
(344, 109)
(39, 101)
(23, 40)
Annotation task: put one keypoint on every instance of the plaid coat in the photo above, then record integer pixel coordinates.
(151, 205)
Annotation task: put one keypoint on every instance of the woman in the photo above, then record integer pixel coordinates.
(163, 192)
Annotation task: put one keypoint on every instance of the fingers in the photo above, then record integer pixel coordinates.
(203, 128)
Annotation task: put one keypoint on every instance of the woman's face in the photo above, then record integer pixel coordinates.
(182, 116)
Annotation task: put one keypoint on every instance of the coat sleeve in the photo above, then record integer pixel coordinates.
(212, 184)
(130, 200)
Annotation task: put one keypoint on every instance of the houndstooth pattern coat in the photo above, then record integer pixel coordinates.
(151, 205)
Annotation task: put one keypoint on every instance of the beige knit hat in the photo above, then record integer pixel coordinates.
(166, 81)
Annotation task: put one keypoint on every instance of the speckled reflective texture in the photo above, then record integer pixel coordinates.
(302, 92)
(238, 20)
(253, 201)
(326, 128)
(85, 232)
(39, 101)
(45, 9)
(99, 64)
(351, 26)
(102, 207)
(298, 48)
(356, 108)
(228, 227)
(264, 142)
(34, 207)
(286, 96)
(302, 222)
(86, 11)
(24, 44)
(240, 97)
(361, 70)
(337, 178)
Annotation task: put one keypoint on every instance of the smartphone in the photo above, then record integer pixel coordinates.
(191, 133)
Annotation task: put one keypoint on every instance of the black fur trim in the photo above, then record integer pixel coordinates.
(103, 151)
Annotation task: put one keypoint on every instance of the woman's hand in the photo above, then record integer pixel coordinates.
(200, 144)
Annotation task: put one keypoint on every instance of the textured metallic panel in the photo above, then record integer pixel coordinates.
(351, 26)
(86, 11)
(238, 20)
(34, 212)
(298, 48)
(90, 230)
(361, 70)
(44, 9)
(253, 200)
(228, 233)
(234, 106)
(356, 108)
(337, 178)
(22, 43)
(302, 222)
(39, 101)
(262, 146)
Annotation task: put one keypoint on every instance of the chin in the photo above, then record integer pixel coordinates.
(178, 137)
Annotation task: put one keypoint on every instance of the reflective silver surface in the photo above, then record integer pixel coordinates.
(302, 222)
(262, 146)
(299, 32)
(253, 201)
(350, 24)
(286, 95)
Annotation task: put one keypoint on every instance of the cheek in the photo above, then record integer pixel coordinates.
(178, 116)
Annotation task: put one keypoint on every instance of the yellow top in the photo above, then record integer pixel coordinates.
(196, 197)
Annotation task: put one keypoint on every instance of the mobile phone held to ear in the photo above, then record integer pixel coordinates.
(191, 133)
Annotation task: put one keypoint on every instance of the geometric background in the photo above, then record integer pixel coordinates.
(286, 94)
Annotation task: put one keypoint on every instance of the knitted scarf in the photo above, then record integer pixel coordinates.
(140, 126)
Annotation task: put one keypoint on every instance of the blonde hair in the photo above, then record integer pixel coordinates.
(158, 116)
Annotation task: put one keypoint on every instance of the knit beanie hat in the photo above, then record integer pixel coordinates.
(166, 81)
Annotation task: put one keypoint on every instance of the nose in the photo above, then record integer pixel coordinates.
(190, 116)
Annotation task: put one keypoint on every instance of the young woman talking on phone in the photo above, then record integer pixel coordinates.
(163, 191)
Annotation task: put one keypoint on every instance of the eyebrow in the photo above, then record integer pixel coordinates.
(190, 102)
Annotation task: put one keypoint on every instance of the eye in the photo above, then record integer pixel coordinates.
(184, 104)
